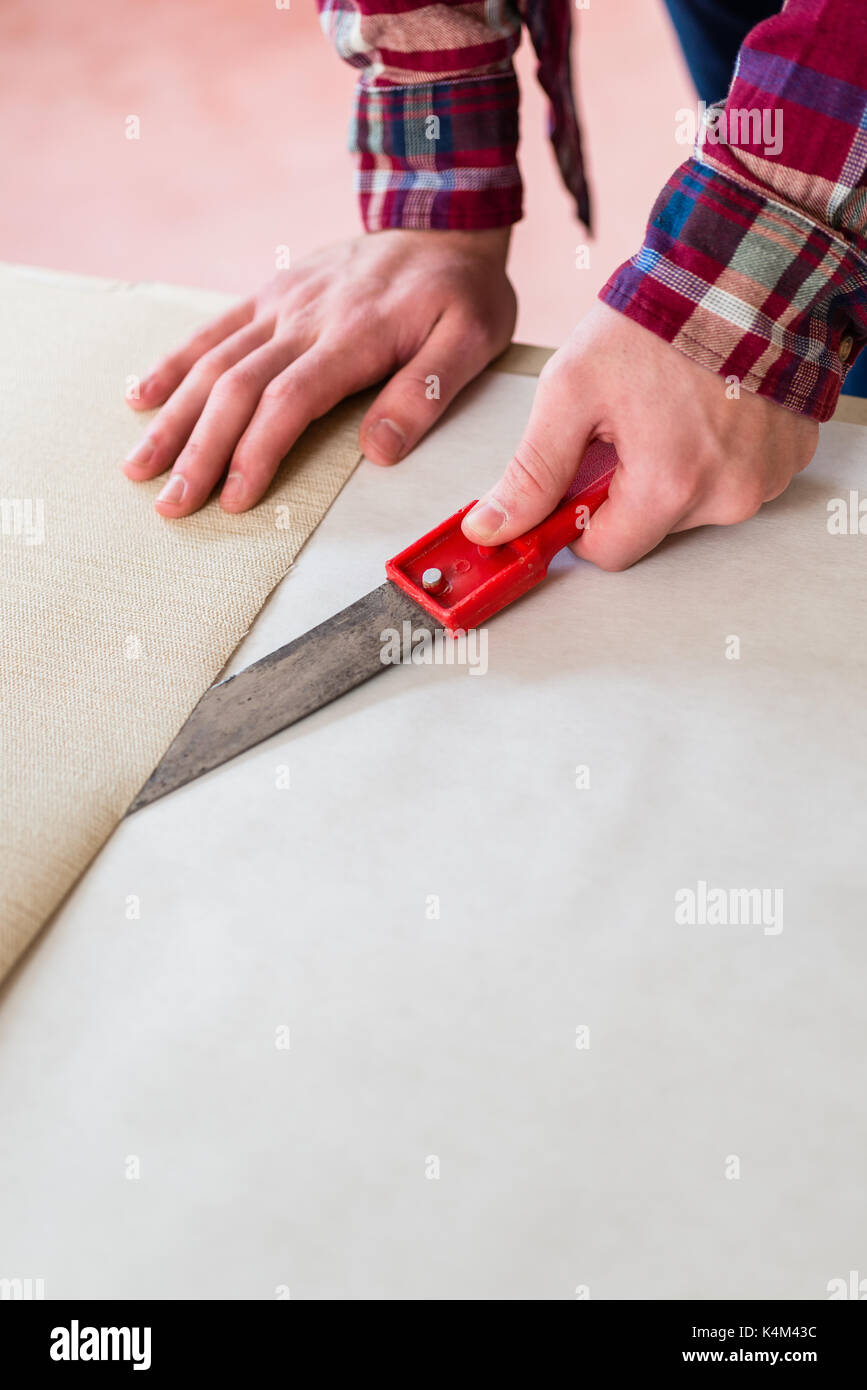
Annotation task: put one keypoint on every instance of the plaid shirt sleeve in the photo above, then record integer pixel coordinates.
(754, 262)
(435, 125)
(436, 111)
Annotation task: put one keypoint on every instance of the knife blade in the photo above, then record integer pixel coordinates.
(274, 693)
(441, 581)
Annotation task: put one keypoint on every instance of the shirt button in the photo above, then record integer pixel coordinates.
(845, 348)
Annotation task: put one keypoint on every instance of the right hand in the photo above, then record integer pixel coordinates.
(689, 455)
(406, 304)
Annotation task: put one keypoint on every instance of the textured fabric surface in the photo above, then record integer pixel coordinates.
(115, 620)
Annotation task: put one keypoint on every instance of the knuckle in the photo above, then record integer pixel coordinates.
(166, 432)
(480, 336)
(357, 320)
(198, 346)
(550, 373)
(171, 368)
(191, 453)
(159, 431)
(754, 496)
(366, 354)
(421, 392)
(740, 505)
(245, 457)
(530, 472)
(683, 492)
(203, 372)
(217, 362)
(300, 318)
(189, 459)
(203, 337)
(241, 379)
(277, 390)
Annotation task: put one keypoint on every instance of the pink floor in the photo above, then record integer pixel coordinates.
(243, 111)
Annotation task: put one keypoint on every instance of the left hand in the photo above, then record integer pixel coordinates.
(689, 455)
(424, 308)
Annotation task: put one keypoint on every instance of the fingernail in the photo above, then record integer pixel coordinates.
(142, 452)
(174, 489)
(232, 488)
(487, 518)
(389, 439)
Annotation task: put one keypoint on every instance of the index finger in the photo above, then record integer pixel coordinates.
(315, 382)
(163, 379)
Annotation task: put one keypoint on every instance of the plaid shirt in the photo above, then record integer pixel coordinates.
(436, 112)
(754, 262)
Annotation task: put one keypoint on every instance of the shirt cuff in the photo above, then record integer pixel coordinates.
(438, 155)
(748, 287)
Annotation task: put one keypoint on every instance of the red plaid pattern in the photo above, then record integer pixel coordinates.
(436, 113)
(754, 261)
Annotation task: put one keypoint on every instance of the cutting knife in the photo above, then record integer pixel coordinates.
(443, 580)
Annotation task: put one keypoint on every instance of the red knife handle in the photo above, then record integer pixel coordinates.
(476, 581)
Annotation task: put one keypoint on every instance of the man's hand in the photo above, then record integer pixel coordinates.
(690, 456)
(422, 305)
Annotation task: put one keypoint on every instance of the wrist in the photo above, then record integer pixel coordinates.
(490, 244)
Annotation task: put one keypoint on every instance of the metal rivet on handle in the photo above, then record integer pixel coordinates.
(433, 581)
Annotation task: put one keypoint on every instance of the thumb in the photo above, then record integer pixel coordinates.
(535, 480)
(456, 350)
